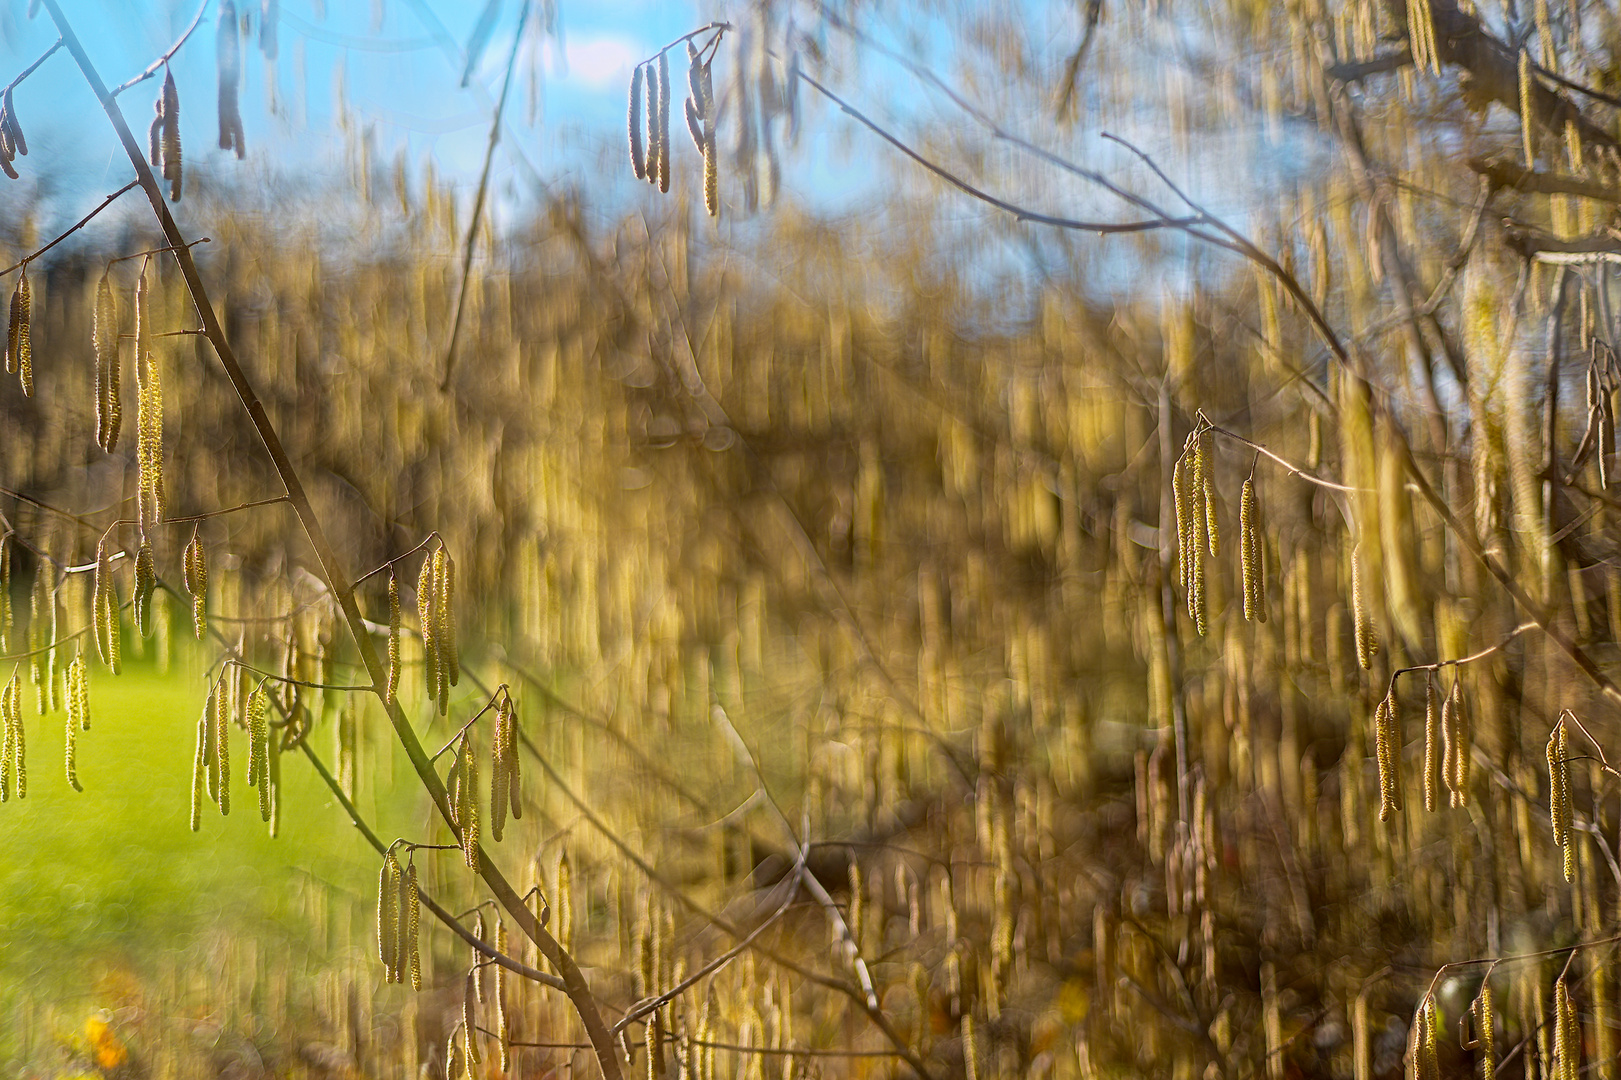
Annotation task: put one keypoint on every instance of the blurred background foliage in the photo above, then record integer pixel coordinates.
(871, 483)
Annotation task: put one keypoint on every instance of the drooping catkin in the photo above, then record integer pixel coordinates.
(1207, 489)
(653, 148)
(149, 413)
(467, 803)
(199, 773)
(196, 574)
(1184, 519)
(78, 717)
(1252, 554)
(1559, 796)
(1387, 736)
(664, 122)
(1429, 1064)
(258, 747)
(1455, 733)
(1527, 100)
(104, 610)
(146, 580)
(500, 995)
(19, 337)
(1567, 1033)
(469, 1028)
(499, 773)
(1432, 747)
(426, 593)
(109, 406)
(5, 592)
(711, 170)
(388, 916)
(444, 631)
(638, 158)
(14, 761)
(412, 924)
(1484, 1019)
(1367, 643)
(167, 128)
(229, 56)
(393, 636)
(219, 717)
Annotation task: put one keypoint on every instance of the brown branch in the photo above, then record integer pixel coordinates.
(1511, 174)
(328, 564)
(478, 200)
(31, 68)
(157, 65)
(82, 222)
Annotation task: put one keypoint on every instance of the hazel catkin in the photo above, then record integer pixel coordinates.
(1559, 796)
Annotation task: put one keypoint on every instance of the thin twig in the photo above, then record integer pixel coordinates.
(478, 200)
(82, 222)
(155, 66)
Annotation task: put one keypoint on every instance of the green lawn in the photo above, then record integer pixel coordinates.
(113, 880)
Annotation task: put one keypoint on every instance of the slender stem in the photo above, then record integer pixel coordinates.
(82, 222)
(478, 200)
(31, 68)
(578, 990)
(155, 66)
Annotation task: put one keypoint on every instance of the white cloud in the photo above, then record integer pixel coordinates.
(601, 62)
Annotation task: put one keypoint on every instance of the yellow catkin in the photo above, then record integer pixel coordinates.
(711, 171)
(393, 636)
(413, 926)
(1559, 796)
(1455, 732)
(1196, 535)
(5, 592)
(1207, 488)
(1252, 554)
(444, 631)
(149, 413)
(467, 810)
(499, 773)
(1484, 1020)
(1527, 104)
(388, 915)
(653, 148)
(664, 122)
(1429, 1049)
(970, 1049)
(199, 774)
(146, 580)
(514, 763)
(19, 743)
(1367, 643)
(104, 602)
(258, 747)
(454, 1066)
(1387, 736)
(500, 995)
(1432, 747)
(78, 718)
(169, 133)
(638, 159)
(6, 735)
(1184, 520)
(196, 573)
(19, 338)
(469, 1028)
(426, 593)
(219, 717)
(109, 405)
(1567, 1034)
(481, 931)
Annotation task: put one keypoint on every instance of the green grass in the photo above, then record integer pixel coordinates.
(113, 879)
